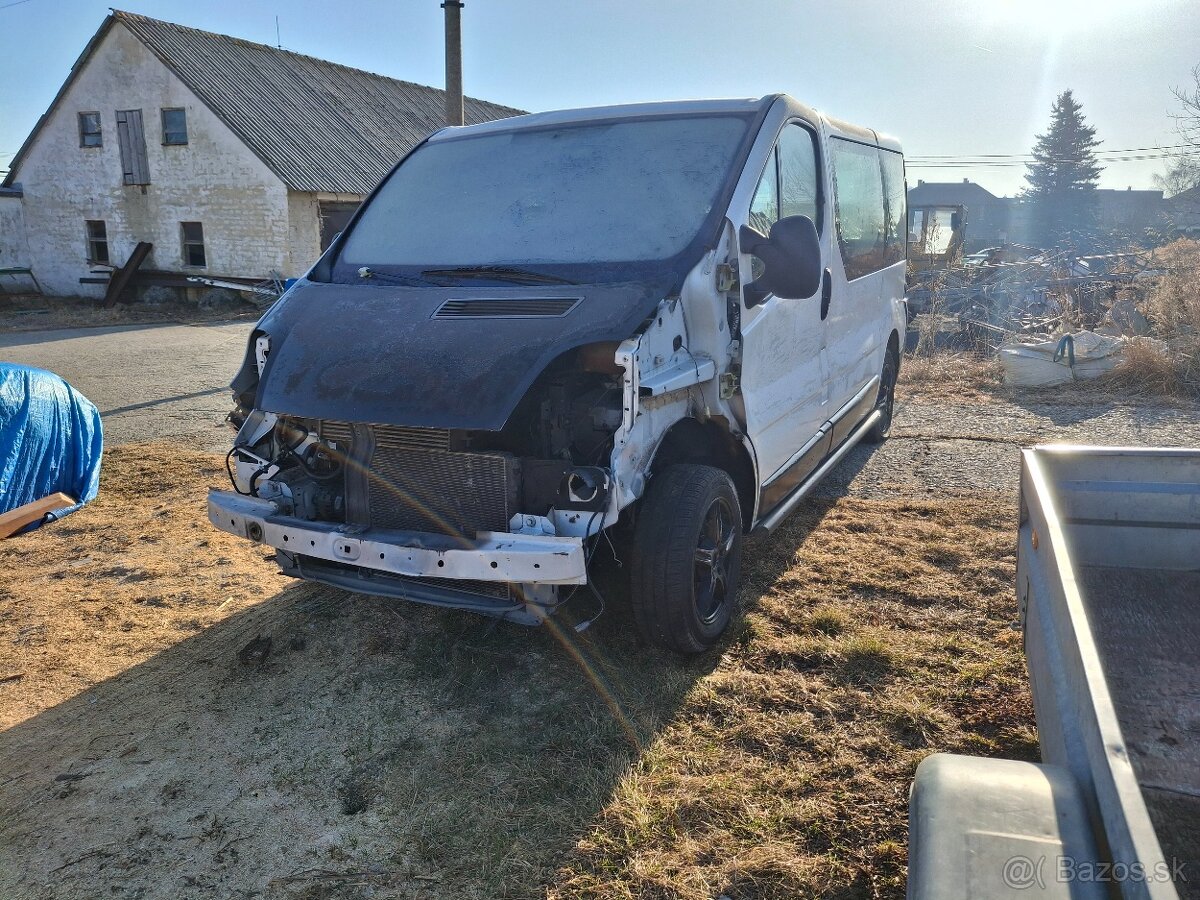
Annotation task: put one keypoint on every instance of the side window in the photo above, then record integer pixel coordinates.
(193, 245)
(764, 208)
(89, 130)
(799, 185)
(174, 126)
(97, 240)
(895, 196)
(858, 207)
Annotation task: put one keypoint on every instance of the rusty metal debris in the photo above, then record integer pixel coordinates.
(986, 298)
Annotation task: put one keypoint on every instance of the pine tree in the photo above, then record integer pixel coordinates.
(1063, 175)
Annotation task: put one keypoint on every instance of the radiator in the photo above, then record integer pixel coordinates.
(416, 483)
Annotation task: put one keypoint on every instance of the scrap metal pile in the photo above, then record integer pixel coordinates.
(991, 297)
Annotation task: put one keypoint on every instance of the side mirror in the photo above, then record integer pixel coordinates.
(791, 259)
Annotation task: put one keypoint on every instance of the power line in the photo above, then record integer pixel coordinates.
(1017, 163)
(17, 3)
(1030, 155)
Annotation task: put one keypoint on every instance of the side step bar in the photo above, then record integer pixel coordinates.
(796, 497)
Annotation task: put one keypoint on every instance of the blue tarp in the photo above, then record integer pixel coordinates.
(50, 439)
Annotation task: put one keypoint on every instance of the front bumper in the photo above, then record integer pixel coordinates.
(490, 556)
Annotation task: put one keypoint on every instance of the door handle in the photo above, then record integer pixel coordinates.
(826, 292)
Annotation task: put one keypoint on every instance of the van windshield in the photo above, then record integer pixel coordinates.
(597, 192)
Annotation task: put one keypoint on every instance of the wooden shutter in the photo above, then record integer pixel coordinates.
(131, 137)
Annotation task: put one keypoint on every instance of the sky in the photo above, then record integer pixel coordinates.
(949, 79)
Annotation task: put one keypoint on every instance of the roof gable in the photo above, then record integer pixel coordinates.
(948, 193)
(319, 126)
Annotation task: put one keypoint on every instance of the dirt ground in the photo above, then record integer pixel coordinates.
(156, 745)
(33, 312)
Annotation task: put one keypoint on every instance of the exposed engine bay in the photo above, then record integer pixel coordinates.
(432, 514)
(553, 454)
(546, 473)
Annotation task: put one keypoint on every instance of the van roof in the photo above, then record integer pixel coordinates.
(668, 107)
(621, 111)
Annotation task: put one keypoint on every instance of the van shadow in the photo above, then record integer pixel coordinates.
(375, 746)
(375, 743)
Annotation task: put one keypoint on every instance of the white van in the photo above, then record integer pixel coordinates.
(680, 315)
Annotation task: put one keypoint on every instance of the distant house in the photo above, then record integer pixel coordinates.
(992, 220)
(1129, 212)
(231, 158)
(988, 218)
(1183, 213)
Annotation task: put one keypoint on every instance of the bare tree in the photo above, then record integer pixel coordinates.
(1182, 174)
(1188, 117)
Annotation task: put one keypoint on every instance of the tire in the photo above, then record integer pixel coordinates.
(886, 400)
(686, 558)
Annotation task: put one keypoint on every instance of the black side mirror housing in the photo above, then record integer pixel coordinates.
(791, 259)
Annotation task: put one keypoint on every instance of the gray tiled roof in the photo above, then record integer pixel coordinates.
(948, 193)
(319, 126)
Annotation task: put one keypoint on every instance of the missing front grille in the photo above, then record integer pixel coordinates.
(442, 492)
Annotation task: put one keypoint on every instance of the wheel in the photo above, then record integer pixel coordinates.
(686, 558)
(886, 400)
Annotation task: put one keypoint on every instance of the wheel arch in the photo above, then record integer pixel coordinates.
(711, 443)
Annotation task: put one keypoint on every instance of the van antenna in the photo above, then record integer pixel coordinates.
(278, 42)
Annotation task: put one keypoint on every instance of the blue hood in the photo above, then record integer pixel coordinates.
(375, 354)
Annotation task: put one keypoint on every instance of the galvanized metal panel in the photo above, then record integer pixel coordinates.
(1078, 686)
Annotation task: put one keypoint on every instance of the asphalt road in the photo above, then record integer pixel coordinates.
(149, 382)
(171, 381)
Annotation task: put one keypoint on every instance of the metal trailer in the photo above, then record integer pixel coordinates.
(1108, 582)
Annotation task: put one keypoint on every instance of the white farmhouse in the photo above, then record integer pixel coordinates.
(233, 159)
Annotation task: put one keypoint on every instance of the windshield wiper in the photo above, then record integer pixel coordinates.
(498, 273)
(366, 274)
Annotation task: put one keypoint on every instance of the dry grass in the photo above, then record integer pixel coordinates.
(118, 581)
(1149, 370)
(33, 312)
(1173, 303)
(410, 752)
(878, 633)
(945, 375)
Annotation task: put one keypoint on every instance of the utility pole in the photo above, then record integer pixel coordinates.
(454, 89)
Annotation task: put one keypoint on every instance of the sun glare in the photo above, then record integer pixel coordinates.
(1055, 16)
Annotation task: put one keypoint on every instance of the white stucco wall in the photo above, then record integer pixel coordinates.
(304, 225)
(214, 179)
(304, 231)
(14, 250)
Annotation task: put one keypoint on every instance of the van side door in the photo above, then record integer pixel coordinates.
(784, 372)
(869, 246)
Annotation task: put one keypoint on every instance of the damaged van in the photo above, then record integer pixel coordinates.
(677, 316)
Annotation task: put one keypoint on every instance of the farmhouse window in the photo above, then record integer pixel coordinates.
(89, 130)
(97, 240)
(132, 138)
(193, 245)
(174, 126)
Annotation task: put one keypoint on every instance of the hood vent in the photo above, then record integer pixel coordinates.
(504, 308)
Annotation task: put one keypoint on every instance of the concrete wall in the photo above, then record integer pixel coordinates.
(304, 232)
(214, 179)
(14, 249)
(304, 225)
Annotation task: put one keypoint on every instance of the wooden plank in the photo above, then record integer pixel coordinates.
(120, 277)
(15, 519)
(137, 140)
(124, 145)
